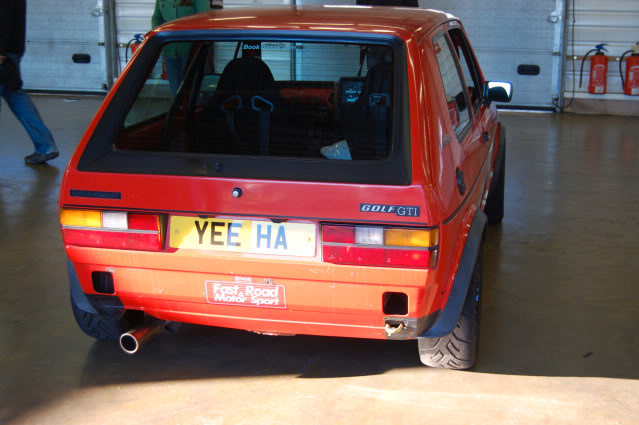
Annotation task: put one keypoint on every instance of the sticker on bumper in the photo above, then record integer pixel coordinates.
(245, 294)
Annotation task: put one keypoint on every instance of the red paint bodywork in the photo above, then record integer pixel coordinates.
(322, 298)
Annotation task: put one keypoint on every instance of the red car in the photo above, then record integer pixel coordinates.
(298, 170)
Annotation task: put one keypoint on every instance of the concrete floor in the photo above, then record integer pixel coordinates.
(560, 326)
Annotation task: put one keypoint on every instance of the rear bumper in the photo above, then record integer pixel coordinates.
(312, 298)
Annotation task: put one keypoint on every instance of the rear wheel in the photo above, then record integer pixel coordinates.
(458, 350)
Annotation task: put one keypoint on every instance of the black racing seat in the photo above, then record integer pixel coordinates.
(238, 118)
(368, 121)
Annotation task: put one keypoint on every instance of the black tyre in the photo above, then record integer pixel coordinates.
(495, 203)
(458, 350)
(99, 327)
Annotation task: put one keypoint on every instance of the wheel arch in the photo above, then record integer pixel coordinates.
(449, 316)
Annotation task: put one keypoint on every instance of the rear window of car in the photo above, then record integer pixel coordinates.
(271, 108)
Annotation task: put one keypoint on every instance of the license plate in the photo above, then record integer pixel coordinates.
(245, 294)
(251, 236)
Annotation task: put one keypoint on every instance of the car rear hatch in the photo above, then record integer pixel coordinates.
(284, 163)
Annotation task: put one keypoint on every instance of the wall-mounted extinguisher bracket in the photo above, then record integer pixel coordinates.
(631, 81)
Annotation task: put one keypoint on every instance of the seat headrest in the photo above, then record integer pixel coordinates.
(379, 78)
(246, 74)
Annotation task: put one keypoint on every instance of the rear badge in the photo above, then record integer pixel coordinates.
(243, 292)
(95, 194)
(398, 210)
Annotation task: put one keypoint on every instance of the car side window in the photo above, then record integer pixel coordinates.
(456, 97)
(468, 65)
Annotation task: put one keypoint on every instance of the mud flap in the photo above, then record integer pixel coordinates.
(448, 318)
(78, 295)
(501, 148)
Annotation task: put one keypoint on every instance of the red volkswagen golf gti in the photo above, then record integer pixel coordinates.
(295, 170)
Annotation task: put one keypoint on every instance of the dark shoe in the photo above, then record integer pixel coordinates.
(40, 158)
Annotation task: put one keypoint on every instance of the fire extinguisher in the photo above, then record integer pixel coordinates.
(598, 70)
(133, 44)
(631, 82)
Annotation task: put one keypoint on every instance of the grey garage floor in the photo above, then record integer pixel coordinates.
(560, 326)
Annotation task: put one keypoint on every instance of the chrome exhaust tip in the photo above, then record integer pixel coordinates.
(131, 341)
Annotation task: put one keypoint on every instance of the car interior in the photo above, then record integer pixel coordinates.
(257, 98)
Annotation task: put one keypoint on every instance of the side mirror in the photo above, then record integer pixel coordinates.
(495, 91)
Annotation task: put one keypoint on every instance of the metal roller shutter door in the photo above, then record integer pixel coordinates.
(508, 33)
(56, 31)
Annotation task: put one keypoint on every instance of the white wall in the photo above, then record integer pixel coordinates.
(615, 22)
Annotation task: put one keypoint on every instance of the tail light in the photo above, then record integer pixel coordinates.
(380, 246)
(111, 229)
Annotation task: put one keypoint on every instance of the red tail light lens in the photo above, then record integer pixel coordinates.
(338, 234)
(338, 254)
(379, 246)
(369, 256)
(143, 221)
(407, 258)
(111, 229)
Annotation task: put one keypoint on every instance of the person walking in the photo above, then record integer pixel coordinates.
(175, 54)
(12, 44)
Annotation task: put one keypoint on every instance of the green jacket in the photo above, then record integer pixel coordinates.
(168, 10)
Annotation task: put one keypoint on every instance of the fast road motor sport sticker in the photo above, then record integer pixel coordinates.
(243, 292)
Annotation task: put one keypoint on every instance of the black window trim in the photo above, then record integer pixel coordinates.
(100, 155)
(471, 60)
(463, 132)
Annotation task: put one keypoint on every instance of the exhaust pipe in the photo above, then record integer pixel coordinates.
(131, 341)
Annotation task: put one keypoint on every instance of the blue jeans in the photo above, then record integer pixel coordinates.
(25, 111)
(174, 70)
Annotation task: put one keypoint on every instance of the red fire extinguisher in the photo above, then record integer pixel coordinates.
(598, 70)
(631, 82)
(134, 43)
